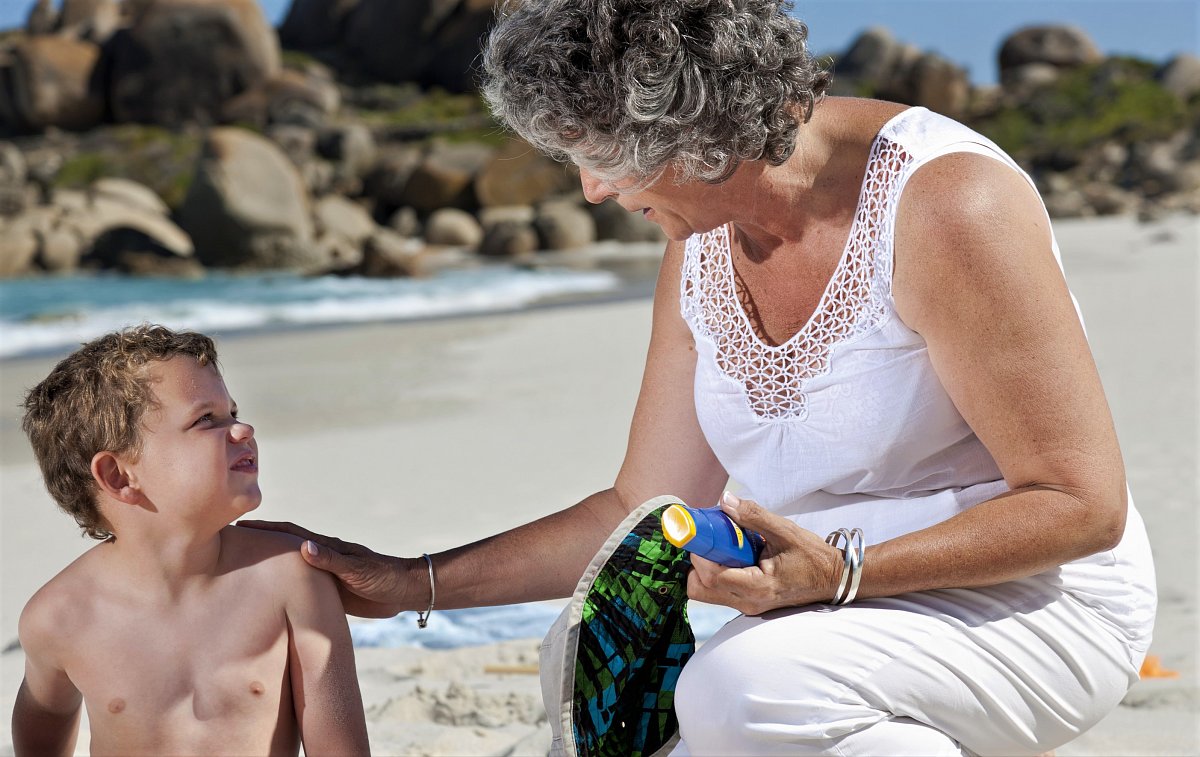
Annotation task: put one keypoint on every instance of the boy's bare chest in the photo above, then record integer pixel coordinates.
(205, 675)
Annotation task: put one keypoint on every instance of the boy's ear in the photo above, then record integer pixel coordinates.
(109, 474)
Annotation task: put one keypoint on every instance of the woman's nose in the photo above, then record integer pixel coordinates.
(594, 189)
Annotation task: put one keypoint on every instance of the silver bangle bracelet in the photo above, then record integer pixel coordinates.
(852, 554)
(423, 617)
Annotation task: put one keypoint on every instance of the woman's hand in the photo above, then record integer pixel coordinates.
(796, 567)
(371, 585)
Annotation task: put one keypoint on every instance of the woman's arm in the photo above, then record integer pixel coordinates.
(975, 276)
(666, 454)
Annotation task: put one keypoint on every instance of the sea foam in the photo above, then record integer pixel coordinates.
(51, 314)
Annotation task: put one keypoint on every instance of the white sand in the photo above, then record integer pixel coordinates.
(418, 437)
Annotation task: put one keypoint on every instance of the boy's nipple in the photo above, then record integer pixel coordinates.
(116, 706)
(256, 688)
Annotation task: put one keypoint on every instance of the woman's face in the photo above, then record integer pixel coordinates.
(681, 210)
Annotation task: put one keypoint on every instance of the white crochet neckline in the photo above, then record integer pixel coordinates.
(854, 302)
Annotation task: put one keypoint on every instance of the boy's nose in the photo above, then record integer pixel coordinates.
(240, 432)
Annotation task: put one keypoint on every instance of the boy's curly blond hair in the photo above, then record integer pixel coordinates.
(93, 401)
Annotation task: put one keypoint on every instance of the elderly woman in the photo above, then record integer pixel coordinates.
(862, 320)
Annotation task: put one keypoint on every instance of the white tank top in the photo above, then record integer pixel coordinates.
(846, 424)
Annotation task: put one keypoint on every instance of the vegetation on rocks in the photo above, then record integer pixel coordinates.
(1117, 99)
(362, 148)
(161, 159)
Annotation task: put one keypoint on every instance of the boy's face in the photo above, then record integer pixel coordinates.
(198, 462)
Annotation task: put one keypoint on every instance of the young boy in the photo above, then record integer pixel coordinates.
(180, 633)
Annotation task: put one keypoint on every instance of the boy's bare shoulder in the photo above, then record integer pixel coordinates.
(65, 603)
(268, 552)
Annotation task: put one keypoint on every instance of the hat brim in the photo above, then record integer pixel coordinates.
(610, 663)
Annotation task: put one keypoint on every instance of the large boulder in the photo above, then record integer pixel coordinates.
(1059, 46)
(434, 42)
(247, 206)
(93, 20)
(520, 175)
(291, 98)
(42, 19)
(181, 60)
(872, 57)
(18, 247)
(52, 83)
(129, 193)
(879, 65)
(340, 217)
(1181, 75)
(388, 180)
(563, 225)
(314, 24)
(445, 177)
(939, 85)
(453, 227)
(13, 169)
(351, 146)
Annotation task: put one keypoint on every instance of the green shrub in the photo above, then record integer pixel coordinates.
(161, 159)
(1116, 99)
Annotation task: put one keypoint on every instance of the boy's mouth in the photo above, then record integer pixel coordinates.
(246, 463)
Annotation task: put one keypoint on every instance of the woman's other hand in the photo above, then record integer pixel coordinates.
(371, 585)
(796, 566)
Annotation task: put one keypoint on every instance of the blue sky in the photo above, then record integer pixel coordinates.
(966, 31)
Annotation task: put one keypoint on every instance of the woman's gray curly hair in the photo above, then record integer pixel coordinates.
(628, 88)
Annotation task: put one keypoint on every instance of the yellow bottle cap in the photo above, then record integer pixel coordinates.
(678, 526)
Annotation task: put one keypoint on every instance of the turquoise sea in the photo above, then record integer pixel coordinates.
(55, 314)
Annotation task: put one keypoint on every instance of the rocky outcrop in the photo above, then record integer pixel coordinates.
(1058, 46)
(52, 82)
(315, 24)
(433, 42)
(517, 174)
(180, 61)
(344, 174)
(247, 206)
(1181, 76)
(878, 65)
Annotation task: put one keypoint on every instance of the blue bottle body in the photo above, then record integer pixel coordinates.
(708, 532)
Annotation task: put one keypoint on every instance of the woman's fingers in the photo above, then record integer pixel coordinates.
(750, 515)
(794, 569)
(283, 526)
(370, 586)
(332, 542)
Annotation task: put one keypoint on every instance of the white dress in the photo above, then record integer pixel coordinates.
(847, 425)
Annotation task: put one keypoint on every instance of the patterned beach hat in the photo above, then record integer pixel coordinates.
(610, 663)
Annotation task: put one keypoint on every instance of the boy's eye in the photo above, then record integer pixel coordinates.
(206, 418)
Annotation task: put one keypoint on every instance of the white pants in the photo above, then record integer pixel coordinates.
(1018, 668)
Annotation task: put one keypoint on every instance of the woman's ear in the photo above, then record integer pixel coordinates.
(109, 473)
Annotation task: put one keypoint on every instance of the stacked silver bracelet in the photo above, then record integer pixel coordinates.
(852, 553)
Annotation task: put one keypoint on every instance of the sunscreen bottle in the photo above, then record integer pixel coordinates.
(710, 533)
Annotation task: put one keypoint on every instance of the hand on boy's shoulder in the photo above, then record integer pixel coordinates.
(275, 553)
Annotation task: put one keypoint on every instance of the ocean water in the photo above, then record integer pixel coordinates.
(450, 629)
(50, 314)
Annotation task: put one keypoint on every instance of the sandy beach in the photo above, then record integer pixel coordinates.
(416, 437)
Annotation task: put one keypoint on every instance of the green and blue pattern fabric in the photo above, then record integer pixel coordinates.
(611, 663)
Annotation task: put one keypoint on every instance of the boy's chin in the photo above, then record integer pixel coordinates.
(248, 502)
